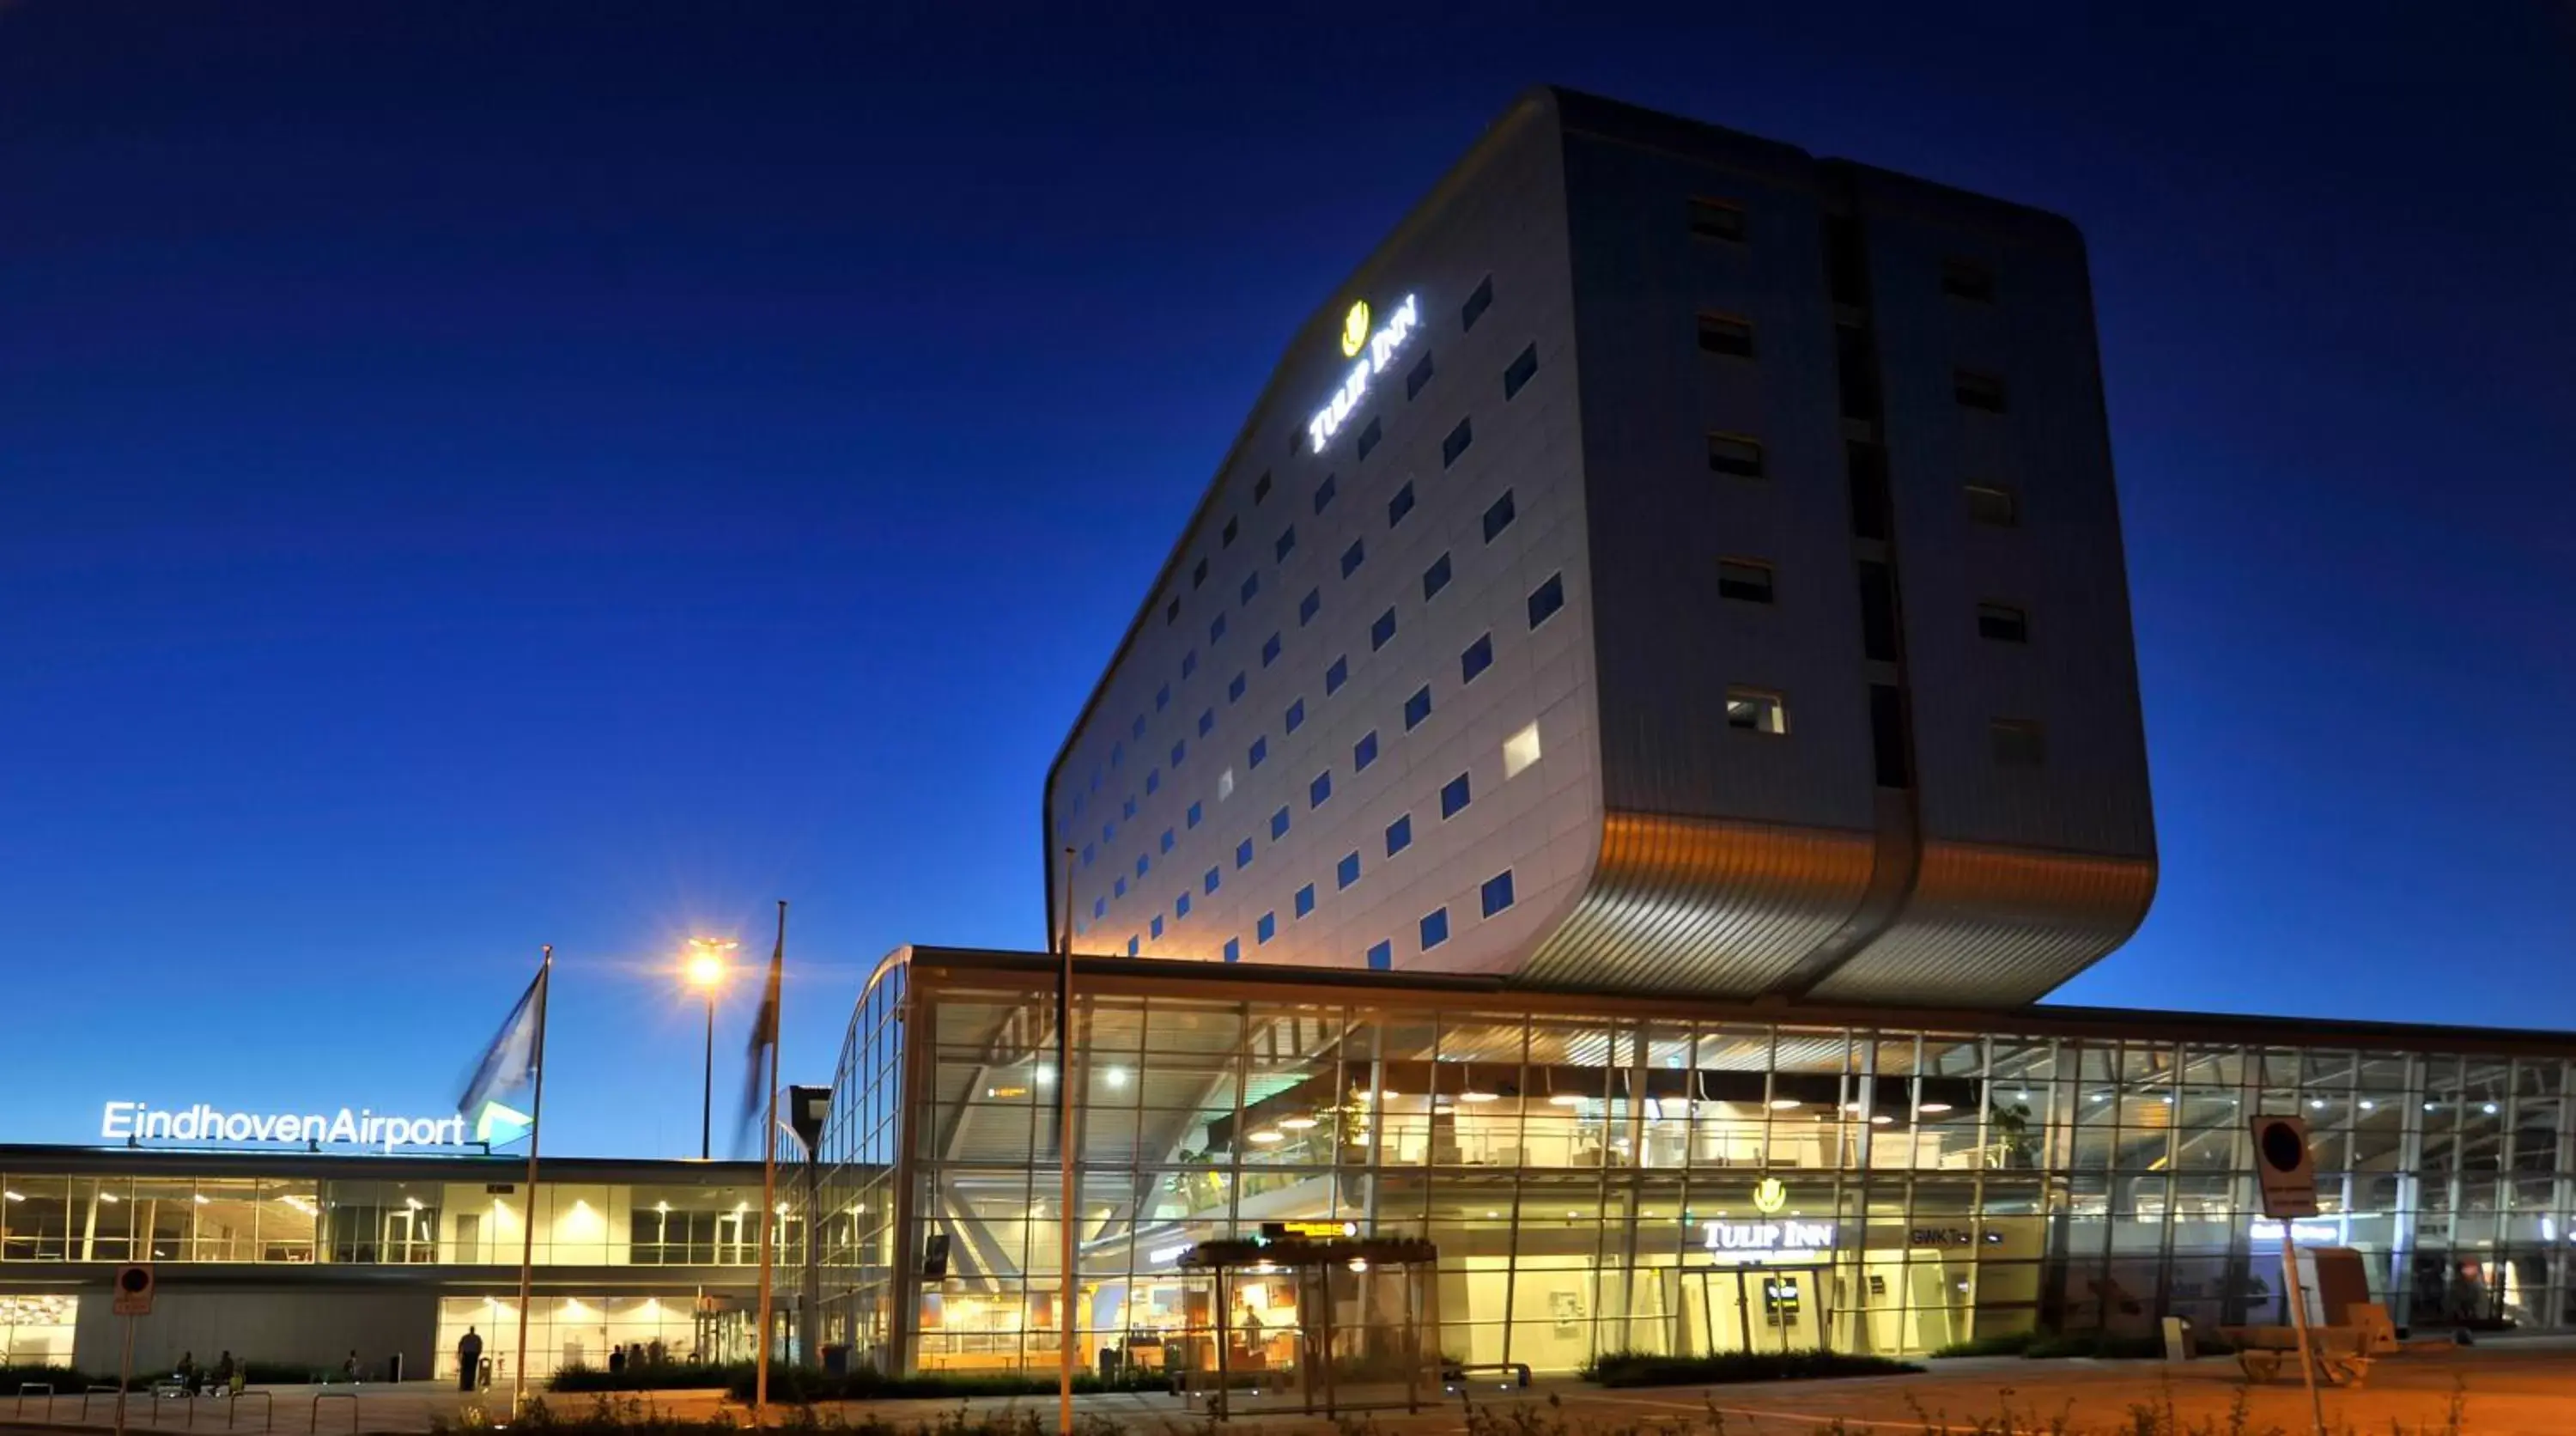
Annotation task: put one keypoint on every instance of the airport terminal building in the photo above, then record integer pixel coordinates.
(1635, 723)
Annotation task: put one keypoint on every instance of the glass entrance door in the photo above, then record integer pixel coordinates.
(1756, 1309)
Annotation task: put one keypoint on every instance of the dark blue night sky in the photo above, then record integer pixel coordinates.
(472, 477)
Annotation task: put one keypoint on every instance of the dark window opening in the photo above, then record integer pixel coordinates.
(1967, 279)
(2003, 623)
(1717, 219)
(1382, 632)
(1735, 454)
(1435, 578)
(1855, 372)
(1499, 516)
(1324, 493)
(1398, 506)
(1420, 376)
(1866, 467)
(1887, 736)
(1476, 305)
(1978, 391)
(1198, 575)
(1521, 371)
(1726, 334)
(1877, 612)
(1846, 260)
(1369, 437)
(1225, 538)
(1993, 505)
(1457, 442)
(2019, 743)
(1261, 488)
(1546, 599)
(1744, 580)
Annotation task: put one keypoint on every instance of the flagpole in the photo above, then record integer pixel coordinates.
(528, 1218)
(769, 1176)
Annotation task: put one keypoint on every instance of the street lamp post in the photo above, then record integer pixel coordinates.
(707, 973)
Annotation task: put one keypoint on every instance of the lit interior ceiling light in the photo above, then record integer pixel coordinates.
(1931, 1109)
(1565, 1099)
(663, 1207)
(1472, 1095)
(110, 1198)
(2369, 1106)
(1880, 1119)
(1265, 1136)
(2489, 1109)
(2317, 1102)
(412, 1202)
(1296, 1124)
(202, 1199)
(1783, 1104)
(1851, 1106)
(1116, 1077)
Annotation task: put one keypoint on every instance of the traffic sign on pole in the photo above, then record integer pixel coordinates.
(134, 1291)
(2289, 1174)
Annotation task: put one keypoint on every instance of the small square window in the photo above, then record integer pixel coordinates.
(1399, 506)
(1336, 675)
(1189, 663)
(1192, 817)
(1347, 871)
(1181, 906)
(1251, 586)
(1226, 538)
(1132, 945)
(1234, 949)
(1234, 688)
(1734, 454)
(1546, 599)
(1267, 928)
(1435, 578)
(1364, 752)
(1259, 750)
(1128, 809)
(1353, 557)
(1286, 544)
(1243, 853)
(1454, 796)
(1730, 334)
(1118, 888)
(1100, 907)
(2019, 743)
(1519, 751)
(1478, 657)
(1270, 650)
(1320, 789)
(1752, 710)
(1324, 492)
(1417, 708)
(1216, 628)
(1261, 488)
(1369, 437)
(2003, 623)
(1978, 391)
(1499, 517)
(1198, 575)
(1279, 825)
(1180, 750)
(1420, 376)
(1089, 850)
(1153, 781)
(1994, 506)
(1381, 958)
(1497, 892)
(1744, 580)
(1457, 442)
(1522, 370)
(1172, 612)
(1476, 305)
(1209, 881)
(1309, 606)
(1435, 928)
(1296, 715)
(1717, 219)
(1967, 279)
(1162, 698)
(1305, 900)
(1207, 721)
(1138, 730)
(1117, 755)
(1399, 835)
(1142, 860)
(1167, 840)
(1382, 632)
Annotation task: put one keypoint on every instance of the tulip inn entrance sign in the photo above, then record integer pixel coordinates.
(361, 1126)
(1371, 352)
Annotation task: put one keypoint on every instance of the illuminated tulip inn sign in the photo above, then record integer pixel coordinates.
(1371, 351)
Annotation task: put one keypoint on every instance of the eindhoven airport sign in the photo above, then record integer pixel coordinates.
(131, 1122)
(1374, 351)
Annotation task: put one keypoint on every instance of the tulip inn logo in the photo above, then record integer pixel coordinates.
(1373, 353)
(139, 1122)
(1769, 1196)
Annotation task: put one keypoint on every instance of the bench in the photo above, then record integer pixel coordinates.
(1454, 1373)
(2341, 1355)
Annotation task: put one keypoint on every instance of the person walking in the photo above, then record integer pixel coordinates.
(224, 1372)
(469, 1359)
(189, 1376)
(349, 1368)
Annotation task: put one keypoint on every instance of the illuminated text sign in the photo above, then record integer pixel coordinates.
(1757, 1237)
(136, 1121)
(1382, 348)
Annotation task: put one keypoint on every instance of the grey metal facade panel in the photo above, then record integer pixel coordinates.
(2063, 566)
(1667, 646)
(1996, 927)
(1703, 905)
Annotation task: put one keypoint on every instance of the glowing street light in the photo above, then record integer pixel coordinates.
(707, 970)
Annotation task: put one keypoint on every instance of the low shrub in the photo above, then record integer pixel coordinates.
(1634, 1368)
(799, 1384)
(2005, 1343)
(655, 1376)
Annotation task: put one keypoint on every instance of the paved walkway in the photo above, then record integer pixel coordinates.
(2519, 1387)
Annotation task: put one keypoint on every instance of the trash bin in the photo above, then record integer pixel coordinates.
(393, 1368)
(483, 1375)
(2178, 1339)
(1110, 1359)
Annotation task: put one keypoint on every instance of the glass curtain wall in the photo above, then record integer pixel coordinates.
(1606, 1183)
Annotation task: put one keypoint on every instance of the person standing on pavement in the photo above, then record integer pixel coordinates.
(469, 1360)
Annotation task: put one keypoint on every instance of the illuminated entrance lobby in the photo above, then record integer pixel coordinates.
(1603, 1173)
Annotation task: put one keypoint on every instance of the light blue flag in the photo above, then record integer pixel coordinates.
(511, 1062)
